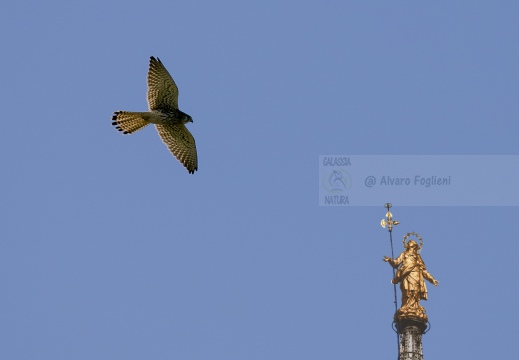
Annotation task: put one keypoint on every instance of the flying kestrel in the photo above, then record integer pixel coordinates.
(164, 113)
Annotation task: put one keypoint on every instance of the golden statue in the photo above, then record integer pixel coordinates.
(411, 274)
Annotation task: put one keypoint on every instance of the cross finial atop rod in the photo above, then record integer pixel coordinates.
(390, 222)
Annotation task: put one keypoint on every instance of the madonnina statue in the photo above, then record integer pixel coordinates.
(411, 274)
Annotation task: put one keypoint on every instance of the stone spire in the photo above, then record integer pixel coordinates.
(410, 334)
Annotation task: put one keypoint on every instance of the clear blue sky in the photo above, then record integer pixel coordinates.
(111, 250)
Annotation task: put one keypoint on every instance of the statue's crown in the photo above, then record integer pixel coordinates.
(412, 234)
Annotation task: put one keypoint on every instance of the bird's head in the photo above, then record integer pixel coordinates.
(187, 119)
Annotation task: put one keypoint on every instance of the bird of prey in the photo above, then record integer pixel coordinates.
(164, 113)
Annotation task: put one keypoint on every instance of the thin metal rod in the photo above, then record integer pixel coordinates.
(394, 288)
(392, 257)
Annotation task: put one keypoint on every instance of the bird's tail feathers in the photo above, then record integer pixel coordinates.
(129, 122)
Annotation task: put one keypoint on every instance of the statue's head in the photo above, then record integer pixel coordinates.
(412, 245)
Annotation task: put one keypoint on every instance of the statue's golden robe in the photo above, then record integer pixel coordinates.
(411, 274)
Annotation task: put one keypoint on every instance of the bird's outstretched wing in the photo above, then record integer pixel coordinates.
(181, 143)
(162, 90)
